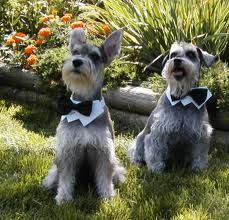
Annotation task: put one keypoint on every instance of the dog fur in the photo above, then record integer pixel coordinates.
(83, 75)
(170, 128)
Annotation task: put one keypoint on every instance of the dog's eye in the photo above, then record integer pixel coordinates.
(174, 54)
(94, 56)
(191, 55)
(75, 52)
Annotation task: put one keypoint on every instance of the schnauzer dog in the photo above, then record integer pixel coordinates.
(85, 132)
(179, 123)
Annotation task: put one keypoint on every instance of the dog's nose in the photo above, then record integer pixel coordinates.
(177, 62)
(77, 63)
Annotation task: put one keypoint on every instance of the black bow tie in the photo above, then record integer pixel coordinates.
(65, 105)
(199, 95)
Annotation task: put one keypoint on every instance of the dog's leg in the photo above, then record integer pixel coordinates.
(66, 182)
(51, 179)
(200, 149)
(200, 156)
(155, 152)
(67, 163)
(105, 164)
(119, 174)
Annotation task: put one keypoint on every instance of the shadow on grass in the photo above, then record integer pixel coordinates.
(36, 118)
(21, 192)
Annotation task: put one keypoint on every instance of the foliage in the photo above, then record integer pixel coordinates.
(50, 63)
(217, 79)
(27, 151)
(119, 73)
(151, 26)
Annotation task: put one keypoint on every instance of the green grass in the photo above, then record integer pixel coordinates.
(26, 152)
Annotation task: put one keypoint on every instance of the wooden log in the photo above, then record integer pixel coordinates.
(128, 119)
(221, 121)
(133, 99)
(18, 78)
(26, 96)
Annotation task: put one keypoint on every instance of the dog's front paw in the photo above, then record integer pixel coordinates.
(198, 165)
(62, 198)
(119, 175)
(156, 167)
(107, 193)
(135, 156)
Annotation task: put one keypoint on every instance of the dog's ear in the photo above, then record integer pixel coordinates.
(77, 38)
(206, 59)
(165, 60)
(111, 47)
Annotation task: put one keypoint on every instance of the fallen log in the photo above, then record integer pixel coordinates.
(124, 117)
(18, 78)
(133, 99)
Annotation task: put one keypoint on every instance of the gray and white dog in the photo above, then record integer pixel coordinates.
(83, 75)
(179, 124)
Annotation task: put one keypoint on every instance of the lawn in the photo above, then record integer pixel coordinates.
(27, 150)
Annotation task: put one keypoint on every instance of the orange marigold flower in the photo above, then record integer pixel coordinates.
(77, 24)
(10, 41)
(19, 37)
(106, 28)
(30, 49)
(39, 41)
(66, 18)
(44, 32)
(32, 59)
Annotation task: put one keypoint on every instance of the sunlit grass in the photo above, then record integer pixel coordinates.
(27, 150)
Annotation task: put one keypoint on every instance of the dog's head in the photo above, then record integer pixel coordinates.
(83, 70)
(182, 67)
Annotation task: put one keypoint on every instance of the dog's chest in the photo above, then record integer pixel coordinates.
(77, 135)
(180, 119)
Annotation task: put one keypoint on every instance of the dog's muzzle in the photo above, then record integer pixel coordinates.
(77, 63)
(178, 71)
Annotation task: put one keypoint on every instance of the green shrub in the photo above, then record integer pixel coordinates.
(152, 26)
(217, 79)
(119, 73)
(50, 63)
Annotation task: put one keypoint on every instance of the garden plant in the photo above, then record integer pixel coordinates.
(34, 37)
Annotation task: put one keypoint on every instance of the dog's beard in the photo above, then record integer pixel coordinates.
(180, 88)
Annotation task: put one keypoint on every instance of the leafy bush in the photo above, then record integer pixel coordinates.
(50, 63)
(119, 73)
(152, 26)
(217, 79)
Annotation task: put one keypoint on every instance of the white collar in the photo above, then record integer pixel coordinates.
(187, 99)
(97, 110)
